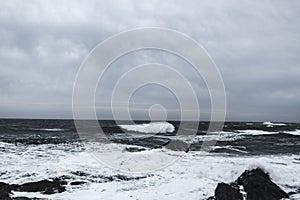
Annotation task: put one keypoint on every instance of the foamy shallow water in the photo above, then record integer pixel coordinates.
(193, 176)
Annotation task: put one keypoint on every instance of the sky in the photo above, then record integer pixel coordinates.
(255, 45)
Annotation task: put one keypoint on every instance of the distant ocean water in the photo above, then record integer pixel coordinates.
(32, 150)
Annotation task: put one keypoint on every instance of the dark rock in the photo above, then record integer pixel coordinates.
(44, 186)
(26, 198)
(258, 186)
(78, 182)
(292, 193)
(80, 173)
(5, 190)
(228, 192)
(120, 177)
(134, 149)
(211, 198)
(177, 145)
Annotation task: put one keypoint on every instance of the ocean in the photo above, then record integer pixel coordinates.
(34, 150)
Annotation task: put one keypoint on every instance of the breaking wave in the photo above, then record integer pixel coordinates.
(48, 129)
(270, 124)
(296, 132)
(152, 127)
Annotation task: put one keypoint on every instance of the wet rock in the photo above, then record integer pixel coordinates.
(292, 193)
(177, 145)
(212, 198)
(5, 190)
(134, 149)
(44, 186)
(257, 186)
(57, 185)
(120, 177)
(80, 173)
(228, 192)
(78, 182)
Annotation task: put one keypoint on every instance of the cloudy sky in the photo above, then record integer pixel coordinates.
(255, 45)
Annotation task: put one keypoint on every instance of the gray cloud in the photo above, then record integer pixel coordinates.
(255, 44)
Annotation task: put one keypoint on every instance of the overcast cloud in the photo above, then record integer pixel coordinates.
(255, 44)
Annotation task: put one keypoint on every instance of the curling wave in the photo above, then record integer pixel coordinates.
(152, 127)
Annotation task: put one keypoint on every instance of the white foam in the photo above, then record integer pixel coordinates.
(219, 136)
(194, 176)
(230, 148)
(256, 132)
(296, 132)
(270, 124)
(260, 132)
(48, 129)
(153, 127)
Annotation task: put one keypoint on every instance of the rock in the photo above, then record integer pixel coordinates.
(78, 182)
(211, 198)
(257, 185)
(177, 145)
(134, 149)
(80, 173)
(292, 193)
(44, 186)
(5, 190)
(228, 192)
(120, 177)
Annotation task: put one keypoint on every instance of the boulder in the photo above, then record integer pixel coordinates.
(44, 186)
(257, 186)
(5, 190)
(134, 149)
(228, 192)
(177, 145)
(78, 182)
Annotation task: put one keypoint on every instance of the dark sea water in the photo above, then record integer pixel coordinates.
(32, 150)
(241, 137)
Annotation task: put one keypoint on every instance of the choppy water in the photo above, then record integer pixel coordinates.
(32, 150)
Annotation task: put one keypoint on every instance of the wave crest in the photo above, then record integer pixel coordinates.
(152, 127)
(270, 124)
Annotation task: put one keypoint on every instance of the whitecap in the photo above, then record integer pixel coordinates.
(153, 127)
(48, 129)
(270, 124)
(256, 132)
(296, 132)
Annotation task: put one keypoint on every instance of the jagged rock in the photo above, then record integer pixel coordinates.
(228, 192)
(211, 198)
(134, 149)
(55, 185)
(80, 173)
(257, 185)
(78, 182)
(177, 145)
(44, 186)
(5, 190)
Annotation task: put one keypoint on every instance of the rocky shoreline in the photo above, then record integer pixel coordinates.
(253, 184)
(55, 185)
